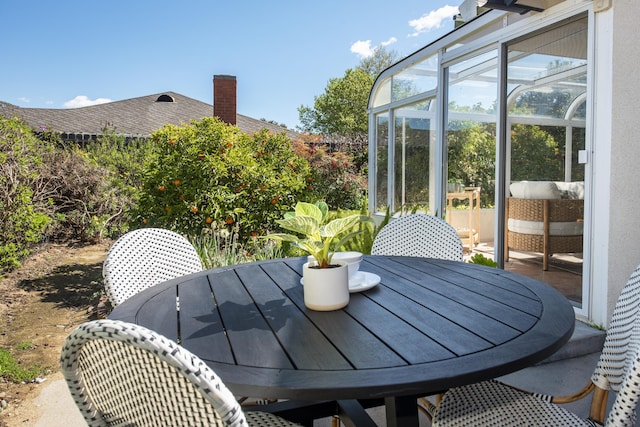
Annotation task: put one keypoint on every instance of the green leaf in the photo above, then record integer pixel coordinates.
(302, 224)
(308, 209)
(339, 225)
(283, 236)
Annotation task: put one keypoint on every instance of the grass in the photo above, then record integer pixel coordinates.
(221, 248)
(11, 370)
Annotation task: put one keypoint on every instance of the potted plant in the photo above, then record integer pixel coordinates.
(326, 284)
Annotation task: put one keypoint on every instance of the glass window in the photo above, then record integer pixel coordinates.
(413, 145)
(418, 78)
(471, 127)
(383, 93)
(547, 76)
(382, 161)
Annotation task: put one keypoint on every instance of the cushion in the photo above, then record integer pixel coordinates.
(571, 190)
(535, 190)
(573, 228)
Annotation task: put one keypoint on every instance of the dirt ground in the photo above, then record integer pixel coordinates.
(57, 288)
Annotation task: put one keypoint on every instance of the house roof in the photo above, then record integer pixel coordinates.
(134, 117)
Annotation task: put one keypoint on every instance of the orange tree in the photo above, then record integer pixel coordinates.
(209, 173)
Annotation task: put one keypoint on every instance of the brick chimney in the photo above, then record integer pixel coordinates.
(224, 98)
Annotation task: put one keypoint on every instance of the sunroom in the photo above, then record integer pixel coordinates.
(493, 128)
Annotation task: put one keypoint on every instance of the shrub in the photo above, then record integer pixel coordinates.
(480, 259)
(123, 162)
(210, 171)
(219, 247)
(22, 221)
(334, 177)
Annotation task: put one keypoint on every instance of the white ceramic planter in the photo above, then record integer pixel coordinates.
(325, 289)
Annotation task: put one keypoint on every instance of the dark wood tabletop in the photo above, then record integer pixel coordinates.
(428, 326)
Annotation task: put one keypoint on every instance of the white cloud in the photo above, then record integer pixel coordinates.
(83, 101)
(392, 40)
(24, 99)
(433, 19)
(362, 48)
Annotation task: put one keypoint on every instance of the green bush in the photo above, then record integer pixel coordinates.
(480, 259)
(23, 220)
(123, 162)
(220, 247)
(334, 177)
(210, 172)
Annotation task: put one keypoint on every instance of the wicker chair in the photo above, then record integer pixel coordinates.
(492, 403)
(145, 257)
(547, 213)
(123, 374)
(418, 235)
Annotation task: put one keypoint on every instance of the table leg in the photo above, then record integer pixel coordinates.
(401, 411)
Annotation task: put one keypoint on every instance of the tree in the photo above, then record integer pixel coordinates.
(377, 62)
(210, 174)
(342, 109)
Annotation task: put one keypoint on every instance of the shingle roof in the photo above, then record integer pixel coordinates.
(137, 117)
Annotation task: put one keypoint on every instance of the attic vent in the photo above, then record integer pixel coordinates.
(165, 98)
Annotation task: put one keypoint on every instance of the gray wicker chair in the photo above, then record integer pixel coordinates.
(124, 374)
(418, 235)
(145, 257)
(492, 403)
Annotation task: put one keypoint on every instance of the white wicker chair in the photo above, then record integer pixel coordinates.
(418, 235)
(145, 257)
(124, 374)
(492, 403)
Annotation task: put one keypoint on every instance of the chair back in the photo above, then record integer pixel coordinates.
(124, 374)
(145, 257)
(619, 366)
(418, 235)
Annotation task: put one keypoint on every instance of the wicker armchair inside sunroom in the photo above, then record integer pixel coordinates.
(545, 217)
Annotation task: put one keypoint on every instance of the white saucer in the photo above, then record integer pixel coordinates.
(361, 281)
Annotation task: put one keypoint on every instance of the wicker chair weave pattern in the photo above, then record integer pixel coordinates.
(120, 374)
(146, 257)
(492, 403)
(418, 235)
(619, 368)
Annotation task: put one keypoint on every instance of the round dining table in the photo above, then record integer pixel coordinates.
(413, 327)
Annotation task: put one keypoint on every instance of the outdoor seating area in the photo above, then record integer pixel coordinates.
(156, 347)
(447, 238)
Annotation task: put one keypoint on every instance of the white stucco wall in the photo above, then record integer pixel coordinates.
(616, 156)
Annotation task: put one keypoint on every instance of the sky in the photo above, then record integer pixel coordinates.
(73, 53)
